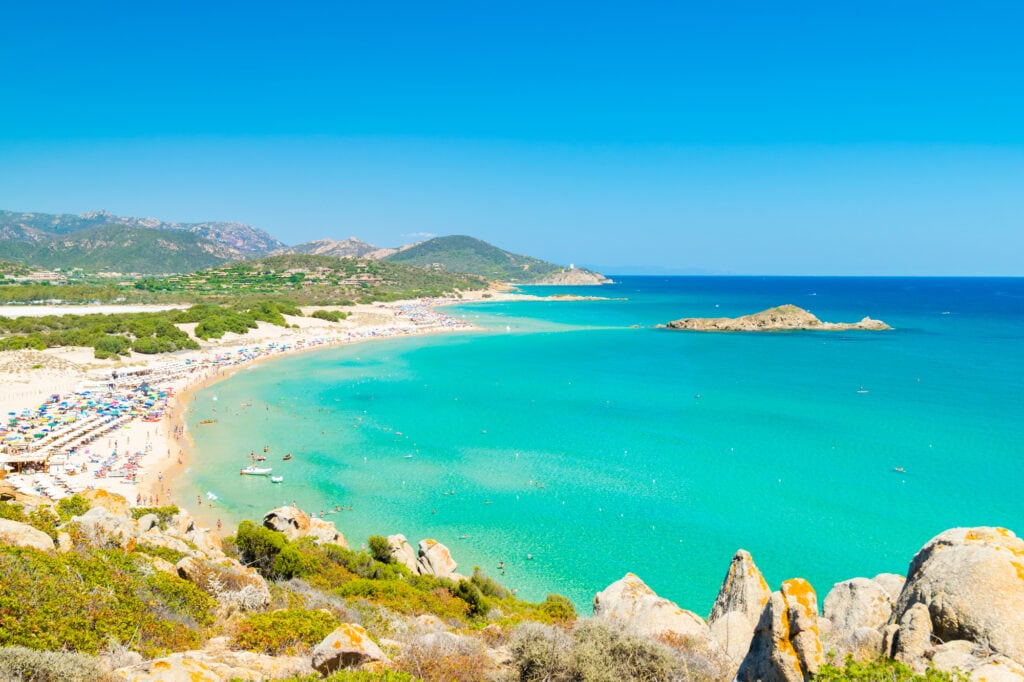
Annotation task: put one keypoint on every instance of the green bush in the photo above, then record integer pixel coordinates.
(356, 676)
(80, 601)
(380, 549)
(289, 632)
(258, 546)
(165, 553)
(880, 669)
(164, 514)
(290, 563)
(76, 505)
(330, 315)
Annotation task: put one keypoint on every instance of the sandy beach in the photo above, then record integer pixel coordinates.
(93, 426)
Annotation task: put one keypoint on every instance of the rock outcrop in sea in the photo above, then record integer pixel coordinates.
(781, 318)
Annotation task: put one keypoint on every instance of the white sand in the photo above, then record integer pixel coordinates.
(28, 378)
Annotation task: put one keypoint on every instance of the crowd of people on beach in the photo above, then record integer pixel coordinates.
(81, 439)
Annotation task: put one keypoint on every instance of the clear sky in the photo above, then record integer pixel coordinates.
(845, 137)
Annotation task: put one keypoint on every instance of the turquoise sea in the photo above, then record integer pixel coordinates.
(578, 434)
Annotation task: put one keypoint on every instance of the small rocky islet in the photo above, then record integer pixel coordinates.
(780, 318)
(959, 608)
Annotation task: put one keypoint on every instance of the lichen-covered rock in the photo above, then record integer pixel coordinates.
(857, 603)
(348, 646)
(324, 532)
(631, 601)
(104, 528)
(24, 535)
(148, 522)
(971, 581)
(739, 604)
(291, 521)
(733, 633)
(786, 644)
(220, 665)
(295, 523)
(978, 665)
(891, 583)
(435, 559)
(112, 502)
(914, 637)
(402, 552)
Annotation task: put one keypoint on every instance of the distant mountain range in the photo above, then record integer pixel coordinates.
(102, 241)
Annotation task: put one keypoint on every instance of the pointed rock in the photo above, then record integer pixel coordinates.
(739, 604)
(971, 581)
(631, 601)
(346, 647)
(435, 559)
(403, 553)
(744, 590)
(786, 644)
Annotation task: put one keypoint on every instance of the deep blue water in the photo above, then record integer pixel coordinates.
(578, 435)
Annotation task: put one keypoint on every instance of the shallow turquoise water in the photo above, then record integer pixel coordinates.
(580, 439)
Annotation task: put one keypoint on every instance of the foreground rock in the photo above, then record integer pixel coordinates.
(738, 607)
(24, 535)
(347, 647)
(786, 645)
(218, 665)
(632, 602)
(969, 584)
(858, 610)
(780, 318)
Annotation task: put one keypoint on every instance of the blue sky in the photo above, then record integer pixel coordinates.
(727, 137)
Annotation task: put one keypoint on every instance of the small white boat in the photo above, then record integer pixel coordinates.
(256, 471)
(276, 479)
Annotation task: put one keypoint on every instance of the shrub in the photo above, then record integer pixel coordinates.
(595, 651)
(541, 652)
(13, 512)
(880, 669)
(441, 657)
(290, 563)
(330, 315)
(380, 549)
(558, 609)
(258, 546)
(76, 505)
(290, 632)
(20, 663)
(471, 594)
(165, 553)
(164, 514)
(79, 601)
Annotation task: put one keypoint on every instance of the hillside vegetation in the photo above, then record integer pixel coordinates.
(470, 255)
(119, 248)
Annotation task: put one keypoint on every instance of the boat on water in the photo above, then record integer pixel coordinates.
(260, 458)
(899, 470)
(862, 390)
(287, 457)
(256, 471)
(208, 421)
(276, 479)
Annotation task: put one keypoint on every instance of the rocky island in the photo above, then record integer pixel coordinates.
(780, 318)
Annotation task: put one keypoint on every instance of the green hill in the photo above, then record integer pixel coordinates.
(459, 253)
(119, 248)
(314, 279)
